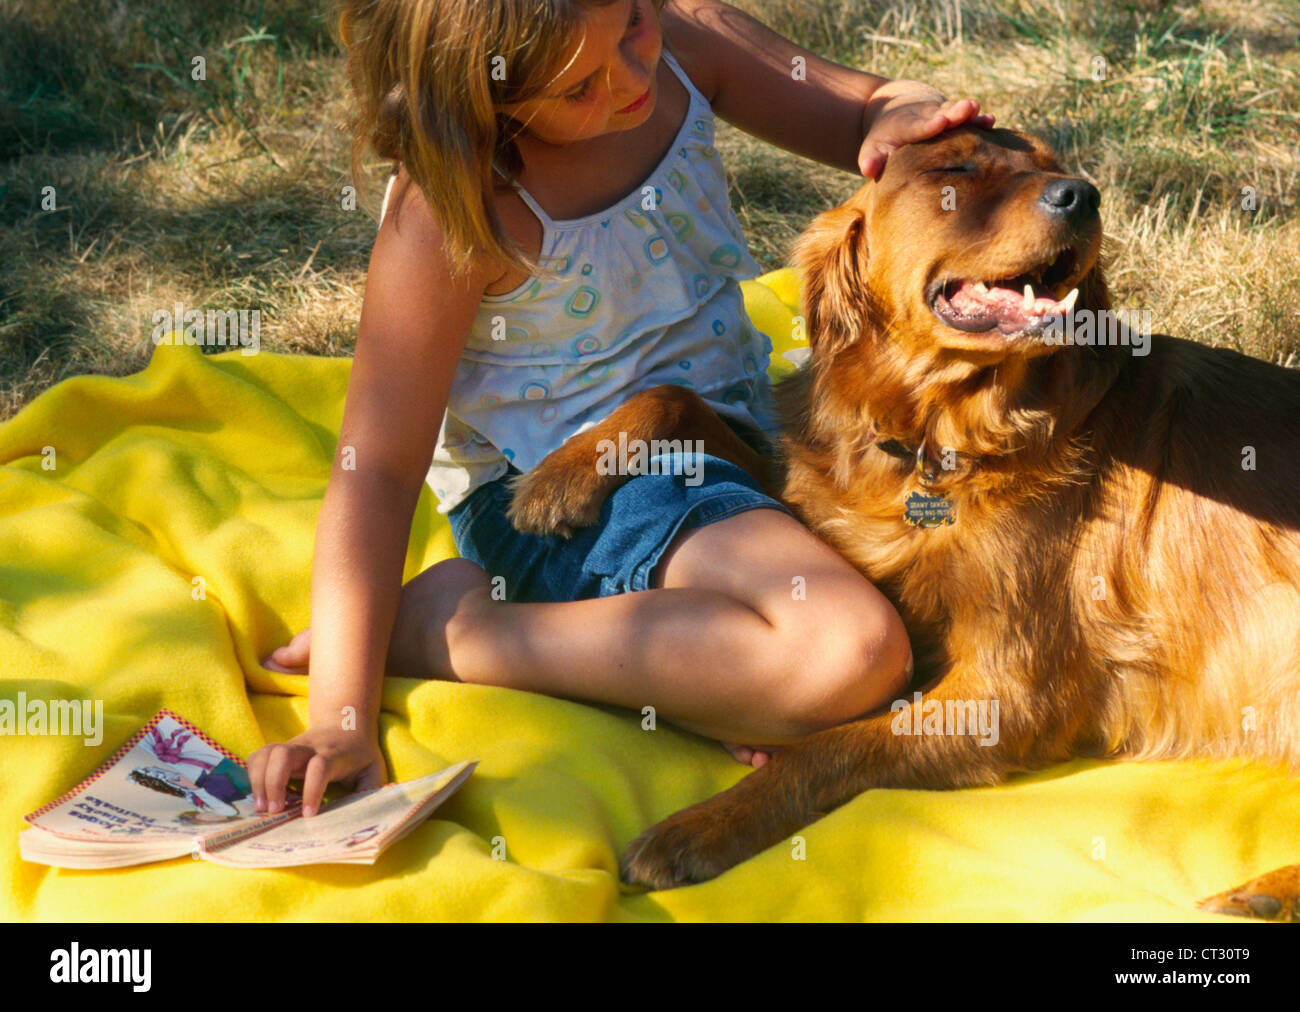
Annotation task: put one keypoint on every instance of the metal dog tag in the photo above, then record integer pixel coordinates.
(924, 509)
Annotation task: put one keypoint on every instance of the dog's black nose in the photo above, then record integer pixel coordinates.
(1072, 199)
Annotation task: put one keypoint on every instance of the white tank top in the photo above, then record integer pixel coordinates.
(648, 294)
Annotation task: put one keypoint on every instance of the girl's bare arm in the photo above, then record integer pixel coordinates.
(414, 323)
(779, 92)
(750, 76)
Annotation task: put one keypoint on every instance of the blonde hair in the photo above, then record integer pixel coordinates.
(428, 79)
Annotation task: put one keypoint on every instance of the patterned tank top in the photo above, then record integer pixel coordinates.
(648, 293)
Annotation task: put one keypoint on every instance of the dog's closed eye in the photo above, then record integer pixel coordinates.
(951, 169)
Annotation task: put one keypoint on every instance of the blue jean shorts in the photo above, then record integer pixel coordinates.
(619, 552)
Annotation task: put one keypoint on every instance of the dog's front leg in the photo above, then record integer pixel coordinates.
(812, 777)
(567, 489)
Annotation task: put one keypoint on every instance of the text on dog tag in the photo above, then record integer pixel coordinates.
(924, 509)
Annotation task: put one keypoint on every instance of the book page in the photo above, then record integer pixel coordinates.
(351, 830)
(168, 780)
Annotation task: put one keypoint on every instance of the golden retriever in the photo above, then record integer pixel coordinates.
(1092, 533)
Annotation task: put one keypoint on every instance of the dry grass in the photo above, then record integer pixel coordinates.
(227, 193)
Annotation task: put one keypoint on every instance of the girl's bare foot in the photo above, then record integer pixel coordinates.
(751, 755)
(292, 657)
(418, 645)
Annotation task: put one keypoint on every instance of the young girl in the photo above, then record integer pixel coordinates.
(567, 243)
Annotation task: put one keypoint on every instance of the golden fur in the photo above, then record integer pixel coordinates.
(1117, 576)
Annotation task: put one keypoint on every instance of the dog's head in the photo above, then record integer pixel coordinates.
(968, 245)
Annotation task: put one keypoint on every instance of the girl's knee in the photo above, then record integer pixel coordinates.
(842, 664)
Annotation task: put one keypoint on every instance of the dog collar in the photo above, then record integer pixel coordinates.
(920, 509)
(926, 467)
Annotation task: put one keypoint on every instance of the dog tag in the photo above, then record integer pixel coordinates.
(924, 509)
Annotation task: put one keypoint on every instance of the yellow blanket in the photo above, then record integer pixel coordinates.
(155, 540)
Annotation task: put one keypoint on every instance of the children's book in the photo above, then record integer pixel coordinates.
(171, 791)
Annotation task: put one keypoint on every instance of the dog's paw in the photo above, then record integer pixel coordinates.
(1271, 897)
(685, 848)
(552, 502)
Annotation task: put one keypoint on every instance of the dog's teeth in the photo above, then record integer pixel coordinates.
(980, 287)
(1067, 303)
(1029, 298)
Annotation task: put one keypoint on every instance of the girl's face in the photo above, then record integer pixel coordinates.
(611, 84)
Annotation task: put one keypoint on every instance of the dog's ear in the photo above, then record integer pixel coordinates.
(831, 256)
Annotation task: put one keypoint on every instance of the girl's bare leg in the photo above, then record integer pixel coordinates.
(756, 632)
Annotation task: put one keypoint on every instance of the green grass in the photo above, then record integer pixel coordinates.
(227, 192)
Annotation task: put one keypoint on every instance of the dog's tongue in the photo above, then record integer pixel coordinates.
(1008, 305)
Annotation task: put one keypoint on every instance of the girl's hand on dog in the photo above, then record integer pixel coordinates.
(901, 112)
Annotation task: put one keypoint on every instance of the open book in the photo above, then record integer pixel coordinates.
(171, 791)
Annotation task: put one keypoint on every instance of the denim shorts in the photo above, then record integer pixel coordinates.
(618, 553)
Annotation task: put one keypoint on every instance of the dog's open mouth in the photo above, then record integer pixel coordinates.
(1019, 305)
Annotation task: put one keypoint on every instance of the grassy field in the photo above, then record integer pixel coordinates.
(227, 193)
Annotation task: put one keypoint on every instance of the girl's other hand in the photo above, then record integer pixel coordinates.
(318, 757)
(905, 111)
